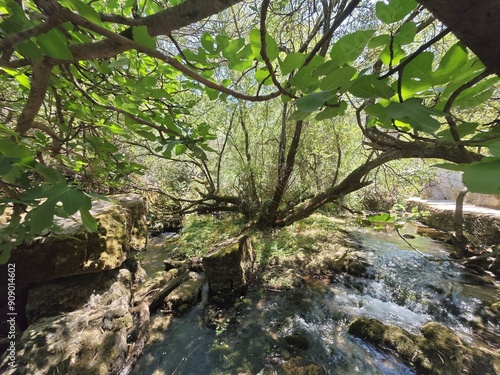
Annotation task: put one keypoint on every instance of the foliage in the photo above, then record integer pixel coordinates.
(95, 93)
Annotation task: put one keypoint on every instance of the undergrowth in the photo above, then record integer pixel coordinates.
(280, 254)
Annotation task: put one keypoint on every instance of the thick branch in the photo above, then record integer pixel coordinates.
(285, 173)
(355, 180)
(39, 84)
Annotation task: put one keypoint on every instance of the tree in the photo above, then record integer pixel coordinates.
(83, 80)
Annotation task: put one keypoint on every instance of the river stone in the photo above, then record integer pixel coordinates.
(89, 341)
(228, 269)
(300, 366)
(296, 341)
(439, 351)
(73, 251)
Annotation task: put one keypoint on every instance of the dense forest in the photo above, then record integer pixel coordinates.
(270, 109)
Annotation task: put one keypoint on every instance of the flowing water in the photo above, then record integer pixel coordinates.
(406, 288)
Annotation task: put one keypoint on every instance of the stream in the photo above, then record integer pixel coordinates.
(405, 288)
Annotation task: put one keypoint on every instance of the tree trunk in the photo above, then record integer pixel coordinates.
(270, 216)
(459, 239)
(476, 23)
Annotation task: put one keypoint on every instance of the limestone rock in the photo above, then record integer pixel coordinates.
(65, 295)
(73, 251)
(229, 268)
(438, 352)
(92, 340)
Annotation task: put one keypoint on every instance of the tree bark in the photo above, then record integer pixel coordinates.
(476, 23)
(356, 179)
(284, 174)
(459, 239)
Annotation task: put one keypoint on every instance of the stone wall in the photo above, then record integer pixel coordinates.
(447, 184)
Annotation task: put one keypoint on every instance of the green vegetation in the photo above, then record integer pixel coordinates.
(269, 110)
(317, 245)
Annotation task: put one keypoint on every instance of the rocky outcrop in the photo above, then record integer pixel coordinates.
(65, 295)
(73, 251)
(228, 268)
(92, 340)
(439, 351)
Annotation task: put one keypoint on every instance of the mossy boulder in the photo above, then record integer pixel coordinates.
(229, 267)
(439, 351)
(73, 251)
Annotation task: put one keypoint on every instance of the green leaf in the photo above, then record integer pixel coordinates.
(379, 112)
(233, 48)
(369, 86)
(242, 60)
(379, 40)
(312, 102)
(413, 112)
(382, 218)
(119, 63)
(338, 79)
(392, 55)
(494, 147)
(292, 62)
(395, 11)
(8, 147)
(180, 149)
(5, 253)
(349, 47)
(303, 79)
(463, 129)
(207, 41)
(483, 177)
(20, 77)
(299, 115)
(141, 36)
(85, 11)
(331, 112)
(477, 94)
(453, 60)
(88, 221)
(52, 175)
(212, 93)
(406, 33)
(418, 75)
(72, 200)
(41, 217)
(263, 76)
(272, 50)
(54, 44)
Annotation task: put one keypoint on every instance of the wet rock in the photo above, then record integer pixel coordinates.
(301, 366)
(296, 341)
(92, 340)
(172, 263)
(356, 269)
(229, 268)
(186, 294)
(438, 351)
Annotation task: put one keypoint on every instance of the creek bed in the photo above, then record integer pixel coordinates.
(405, 288)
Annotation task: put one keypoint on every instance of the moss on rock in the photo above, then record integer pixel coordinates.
(439, 351)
